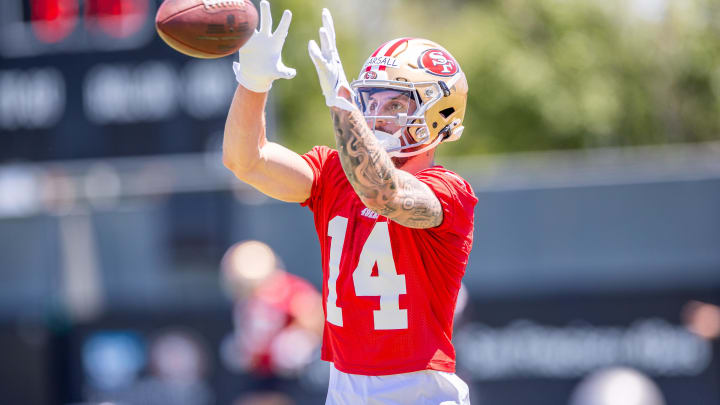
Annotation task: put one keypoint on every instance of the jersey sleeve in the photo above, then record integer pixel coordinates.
(316, 158)
(456, 198)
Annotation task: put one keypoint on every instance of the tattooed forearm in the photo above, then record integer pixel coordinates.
(367, 166)
(388, 191)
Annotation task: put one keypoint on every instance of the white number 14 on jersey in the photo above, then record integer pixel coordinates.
(388, 285)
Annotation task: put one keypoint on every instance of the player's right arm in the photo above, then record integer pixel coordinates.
(269, 167)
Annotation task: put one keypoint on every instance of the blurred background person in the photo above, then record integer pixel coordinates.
(617, 386)
(277, 316)
(176, 365)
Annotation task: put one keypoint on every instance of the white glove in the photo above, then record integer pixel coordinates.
(260, 58)
(329, 68)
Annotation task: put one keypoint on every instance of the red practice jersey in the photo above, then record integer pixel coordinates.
(389, 291)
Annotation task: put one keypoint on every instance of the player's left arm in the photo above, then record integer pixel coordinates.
(382, 187)
(391, 192)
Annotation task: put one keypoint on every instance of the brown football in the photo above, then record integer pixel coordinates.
(206, 28)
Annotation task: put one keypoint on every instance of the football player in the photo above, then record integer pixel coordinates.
(277, 319)
(395, 229)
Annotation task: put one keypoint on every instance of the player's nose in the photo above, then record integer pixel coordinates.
(385, 126)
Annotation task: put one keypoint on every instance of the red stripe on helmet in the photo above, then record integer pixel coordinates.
(392, 49)
(377, 51)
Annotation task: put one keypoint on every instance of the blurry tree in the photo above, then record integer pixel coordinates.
(543, 74)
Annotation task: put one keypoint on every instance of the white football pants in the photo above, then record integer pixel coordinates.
(427, 387)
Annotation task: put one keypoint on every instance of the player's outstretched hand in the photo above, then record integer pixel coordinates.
(326, 58)
(260, 58)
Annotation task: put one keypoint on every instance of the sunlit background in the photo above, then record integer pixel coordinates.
(592, 141)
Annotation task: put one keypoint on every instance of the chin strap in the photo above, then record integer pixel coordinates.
(388, 141)
(399, 153)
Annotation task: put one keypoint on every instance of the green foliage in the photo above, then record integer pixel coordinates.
(543, 74)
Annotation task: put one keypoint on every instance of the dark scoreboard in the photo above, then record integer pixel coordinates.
(91, 78)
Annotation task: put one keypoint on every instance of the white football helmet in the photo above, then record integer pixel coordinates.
(413, 95)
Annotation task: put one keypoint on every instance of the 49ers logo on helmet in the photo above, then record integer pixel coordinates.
(438, 62)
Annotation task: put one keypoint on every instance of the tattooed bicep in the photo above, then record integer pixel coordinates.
(415, 205)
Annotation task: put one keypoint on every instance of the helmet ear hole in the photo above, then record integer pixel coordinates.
(447, 112)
